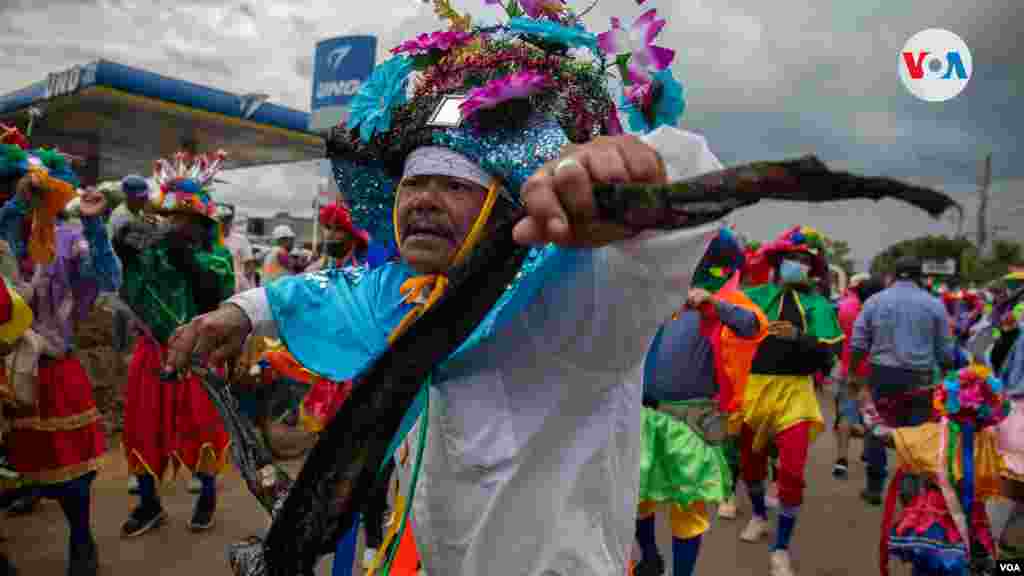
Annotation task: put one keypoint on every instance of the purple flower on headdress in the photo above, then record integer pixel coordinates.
(638, 42)
(519, 85)
(424, 43)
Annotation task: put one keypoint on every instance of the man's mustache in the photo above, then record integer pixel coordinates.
(424, 222)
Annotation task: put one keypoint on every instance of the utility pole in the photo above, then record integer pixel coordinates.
(984, 180)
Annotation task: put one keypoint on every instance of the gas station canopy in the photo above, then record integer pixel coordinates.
(120, 119)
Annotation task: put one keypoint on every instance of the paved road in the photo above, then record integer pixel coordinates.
(836, 535)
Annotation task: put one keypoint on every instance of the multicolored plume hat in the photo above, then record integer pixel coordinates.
(507, 97)
(185, 183)
(54, 176)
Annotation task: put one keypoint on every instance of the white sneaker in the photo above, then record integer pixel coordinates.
(368, 555)
(727, 509)
(780, 564)
(755, 530)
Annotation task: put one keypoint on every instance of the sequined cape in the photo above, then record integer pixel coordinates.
(161, 295)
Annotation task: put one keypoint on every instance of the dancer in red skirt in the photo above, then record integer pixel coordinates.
(173, 272)
(55, 441)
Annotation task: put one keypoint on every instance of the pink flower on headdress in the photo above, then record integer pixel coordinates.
(638, 42)
(971, 397)
(537, 8)
(519, 85)
(424, 43)
(640, 88)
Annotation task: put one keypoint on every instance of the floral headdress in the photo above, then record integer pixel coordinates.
(185, 183)
(972, 395)
(507, 97)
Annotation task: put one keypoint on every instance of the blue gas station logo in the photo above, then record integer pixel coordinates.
(342, 64)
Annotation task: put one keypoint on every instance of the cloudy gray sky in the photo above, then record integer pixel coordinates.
(764, 80)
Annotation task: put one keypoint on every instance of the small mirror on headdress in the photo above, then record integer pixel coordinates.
(447, 114)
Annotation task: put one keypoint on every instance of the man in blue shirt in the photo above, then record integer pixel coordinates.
(905, 333)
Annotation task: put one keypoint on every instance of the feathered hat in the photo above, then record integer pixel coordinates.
(507, 97)
(53, 174)
(184, 183)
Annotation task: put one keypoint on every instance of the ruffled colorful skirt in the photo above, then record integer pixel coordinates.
(59, 439)
(677, 465)
(925, 535)
(1011, 442)
(169, 423)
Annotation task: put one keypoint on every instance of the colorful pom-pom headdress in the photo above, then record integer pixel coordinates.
(507, 97)
(798, 239)
(972, 395)
(185, 183)
(53, 175)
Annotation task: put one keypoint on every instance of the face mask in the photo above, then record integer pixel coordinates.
(793, 272)
(335, 248)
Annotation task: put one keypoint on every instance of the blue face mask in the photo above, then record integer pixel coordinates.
(793, 272)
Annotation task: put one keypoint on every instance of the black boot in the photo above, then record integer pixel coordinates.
(6, 568)
(82, 559)
(202, 514)
(650, 566)
(143, 519)
(23, 505)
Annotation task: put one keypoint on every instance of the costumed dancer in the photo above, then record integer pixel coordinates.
(172, 274)
(15, 319)
(532, 428)
(694, 377)
(56, 442)
(944, 530)
(780, 404)
(344, 244)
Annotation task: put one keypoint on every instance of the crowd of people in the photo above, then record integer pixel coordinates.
(622, 367)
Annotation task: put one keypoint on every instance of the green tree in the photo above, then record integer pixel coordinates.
(972, 266)
(840, 256)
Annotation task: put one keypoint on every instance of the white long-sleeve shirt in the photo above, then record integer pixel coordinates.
(533, 441)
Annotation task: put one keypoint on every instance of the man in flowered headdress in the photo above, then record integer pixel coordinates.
(56, 442)
(172, 275)
(779, 404)
(533, 428)
(694, 377)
